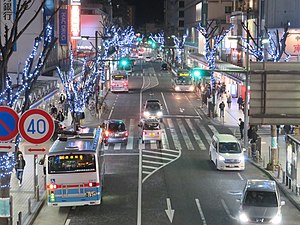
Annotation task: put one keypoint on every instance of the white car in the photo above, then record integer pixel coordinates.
(151, 130)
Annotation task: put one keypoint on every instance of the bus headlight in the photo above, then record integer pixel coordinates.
(191, 88)
(243, 217)
(159, 114)
(146, 114)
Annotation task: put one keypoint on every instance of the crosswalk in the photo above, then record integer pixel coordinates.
(136, 74)
(178, 133)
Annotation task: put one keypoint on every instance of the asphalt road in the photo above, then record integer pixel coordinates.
(177, 184)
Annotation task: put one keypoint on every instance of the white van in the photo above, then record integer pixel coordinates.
(226, 153)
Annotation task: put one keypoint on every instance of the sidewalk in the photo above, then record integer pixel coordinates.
(231, 120)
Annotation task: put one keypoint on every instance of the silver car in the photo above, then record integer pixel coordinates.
(260, 203)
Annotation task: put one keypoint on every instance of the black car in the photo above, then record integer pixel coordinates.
(164, 66)
(114, 131)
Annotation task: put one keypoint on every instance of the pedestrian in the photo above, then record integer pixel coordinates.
(60, 117)
(229, 100)
(17, 156)
(222, 107)
(241, 125)
(20, 165)
(62, 98)
(53, 111)
(240, 102)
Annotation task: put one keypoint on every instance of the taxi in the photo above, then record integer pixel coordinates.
(151, 130)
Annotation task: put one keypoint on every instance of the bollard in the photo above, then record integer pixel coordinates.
(253, 151)
(37, 193)
(29, 206)
(283, 177)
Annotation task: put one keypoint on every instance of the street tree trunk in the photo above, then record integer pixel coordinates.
(274, 148)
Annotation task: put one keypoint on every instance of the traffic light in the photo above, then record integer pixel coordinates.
(124, 62)
(199, 72)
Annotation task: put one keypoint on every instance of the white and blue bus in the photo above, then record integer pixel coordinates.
(75, 170)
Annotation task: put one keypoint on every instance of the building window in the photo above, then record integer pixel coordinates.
(181, 14)
(198, 11)
(228, 9)
(181, 23)
(181, 4)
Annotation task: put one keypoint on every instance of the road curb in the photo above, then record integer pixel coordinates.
(29, 219)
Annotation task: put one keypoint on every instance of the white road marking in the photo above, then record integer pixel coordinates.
(68, 221)
(186, 138)
(174, 134)
(240, 176)
(132, 124)
(213, 129)
(200, 211)
(195, 134)
(164, 100)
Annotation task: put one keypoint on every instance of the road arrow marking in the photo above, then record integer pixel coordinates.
(169, 211)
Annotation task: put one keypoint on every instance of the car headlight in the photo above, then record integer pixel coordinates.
(242, 158)
(146, 114)
(191, 88)
(276, 219)
(159, 114)
(221, 158)
(243, 217)
(177, 88)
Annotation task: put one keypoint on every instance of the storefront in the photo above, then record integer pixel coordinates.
(292, 176)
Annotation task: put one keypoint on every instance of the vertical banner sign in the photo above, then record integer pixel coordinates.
(63, 27)
(75, 21)
(48, 12)
(8, 11)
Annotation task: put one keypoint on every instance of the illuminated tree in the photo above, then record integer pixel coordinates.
(9, 96)
(179, 47)
(213, 37)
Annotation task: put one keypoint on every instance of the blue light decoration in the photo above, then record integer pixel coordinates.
(179, 46)
(274, 46)
(212, 42)
(9, 96)
(77, 88)
(159, 39)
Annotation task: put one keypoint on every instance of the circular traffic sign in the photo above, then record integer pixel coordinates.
(8, 123)
(36, 126)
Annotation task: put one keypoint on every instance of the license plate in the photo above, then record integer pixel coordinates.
(151, 135)
(90, 194)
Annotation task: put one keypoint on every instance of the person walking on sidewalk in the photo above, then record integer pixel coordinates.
(241, 125)
(222, 107)
(229, 100)
(240, 102)
(20, 165)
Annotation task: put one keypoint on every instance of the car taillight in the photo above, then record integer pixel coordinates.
(106, 133)
(92, 184)
(126, 134)
(125, 84)
(113, 84)
(157, 132)
(145, 132)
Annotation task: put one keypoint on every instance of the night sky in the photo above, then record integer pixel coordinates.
(148, 11)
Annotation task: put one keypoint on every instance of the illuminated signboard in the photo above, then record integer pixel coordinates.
(63, 27)
(75, 21)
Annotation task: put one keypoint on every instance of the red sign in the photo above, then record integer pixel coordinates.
(36, 126)
(8, 123)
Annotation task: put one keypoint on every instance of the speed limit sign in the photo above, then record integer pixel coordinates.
(36, 126)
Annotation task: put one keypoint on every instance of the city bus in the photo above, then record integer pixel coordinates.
(183, 81)
(75, 169)
(119, 81)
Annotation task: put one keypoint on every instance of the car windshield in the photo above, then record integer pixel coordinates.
(116, 127)
(229, 147)
(261, 199)
(152, 107)
(151, 126)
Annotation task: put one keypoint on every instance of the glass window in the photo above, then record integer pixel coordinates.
(261, 199)
(151, 126)
(228, 9)
(153, 107)
(116, 127)
(72, 163)
(181, 4)
(229, 147)
(181, 14)
(181, 23)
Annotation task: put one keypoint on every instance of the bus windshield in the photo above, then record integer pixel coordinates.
(72, 163)
(183, 81)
